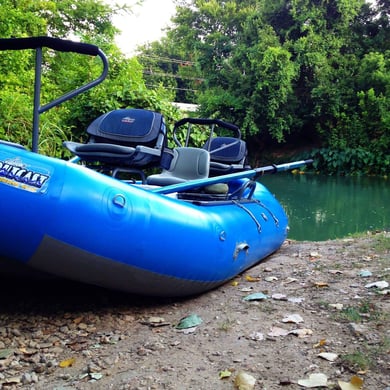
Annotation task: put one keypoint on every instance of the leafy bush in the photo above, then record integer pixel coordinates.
(351, 161)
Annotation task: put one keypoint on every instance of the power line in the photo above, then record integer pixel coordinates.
(172, 88)
(151, 73)
(167, 59)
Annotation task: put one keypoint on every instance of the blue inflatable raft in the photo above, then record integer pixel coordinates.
(179, 232)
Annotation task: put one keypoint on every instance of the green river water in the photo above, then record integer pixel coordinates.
(328, 207)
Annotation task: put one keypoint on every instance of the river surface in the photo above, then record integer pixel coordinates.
(328, 207)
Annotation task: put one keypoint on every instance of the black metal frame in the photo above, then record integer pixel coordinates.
(57, 44)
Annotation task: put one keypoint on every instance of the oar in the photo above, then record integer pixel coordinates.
(232, 176)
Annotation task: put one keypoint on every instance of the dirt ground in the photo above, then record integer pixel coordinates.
(319, 308)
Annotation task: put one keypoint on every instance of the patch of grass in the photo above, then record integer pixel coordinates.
(368, 357)
(319, 267)
(324, 305)
(226, 325)
(385, 275)
(356, 265)
(386, 344)
(338, 266)
(357, 360)
(350, 314)
(366, 307)
(366, 311)
(357, 235)
(377, 241)
(381, 243)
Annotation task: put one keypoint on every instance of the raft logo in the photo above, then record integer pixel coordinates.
(13, 172)
(128, 119)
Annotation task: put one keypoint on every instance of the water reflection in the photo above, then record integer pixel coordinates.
(327, 207)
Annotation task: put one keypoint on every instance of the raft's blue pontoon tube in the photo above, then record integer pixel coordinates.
(70, 221)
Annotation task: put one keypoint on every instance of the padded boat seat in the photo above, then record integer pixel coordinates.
(125, 137)
(111, 153)
(227, 155)
(187, 164)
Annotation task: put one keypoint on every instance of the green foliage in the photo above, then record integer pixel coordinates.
(297, 69)
(358, 134)
(272, 91)
(197, 136)
(355, 161)
(16, 117)
(62, 72)
(280, 70)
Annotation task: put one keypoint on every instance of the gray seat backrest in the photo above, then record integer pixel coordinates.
(187, 164)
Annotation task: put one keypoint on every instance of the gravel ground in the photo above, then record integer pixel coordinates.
(312, 315)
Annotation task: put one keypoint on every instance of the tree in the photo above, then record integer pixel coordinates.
(292, 70)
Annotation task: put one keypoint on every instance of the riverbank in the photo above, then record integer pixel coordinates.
(320, 308)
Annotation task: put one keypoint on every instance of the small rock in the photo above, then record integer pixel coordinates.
(357, 329)
(337, 306)
(380, 284)
(92, 367)
(279, 297)
(34, 377)
(39, 368)
(285, 382)
(294, 318)
(14, 380)
(365, 273)
(244, 381)
(331, 357)
(257, 336)
(82, 326)
(26, 378)
(15, 332)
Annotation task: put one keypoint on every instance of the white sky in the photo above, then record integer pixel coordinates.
(145, 24)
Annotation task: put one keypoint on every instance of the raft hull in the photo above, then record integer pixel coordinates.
(67, 220)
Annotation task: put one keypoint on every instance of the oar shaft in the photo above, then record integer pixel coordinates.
(285, 166)
(232, 176)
